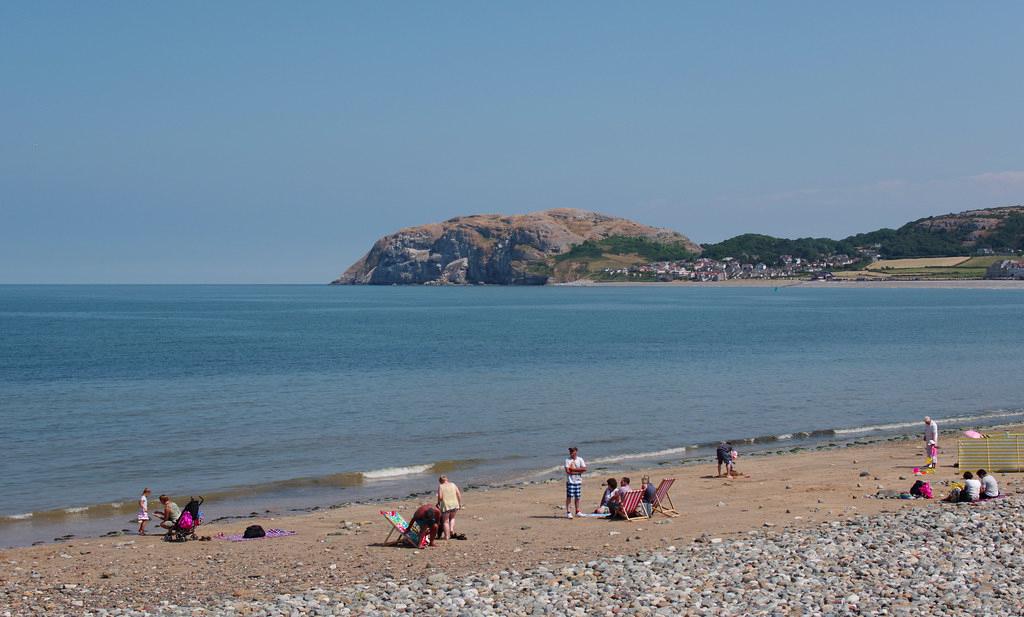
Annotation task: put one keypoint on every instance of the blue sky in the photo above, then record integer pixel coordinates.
(274, 142)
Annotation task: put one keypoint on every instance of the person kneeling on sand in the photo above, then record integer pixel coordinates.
(972, 488)
(169, 515)
(426, 519)
(989, 486)
(609, 492)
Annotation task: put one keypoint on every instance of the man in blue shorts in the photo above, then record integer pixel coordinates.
(724, 456)
(575, 467)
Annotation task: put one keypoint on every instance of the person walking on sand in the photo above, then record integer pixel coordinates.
(931, 434)
(143, 515)
(449, 500)
(575, 467)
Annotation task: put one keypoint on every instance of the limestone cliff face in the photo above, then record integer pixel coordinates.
(490, 248)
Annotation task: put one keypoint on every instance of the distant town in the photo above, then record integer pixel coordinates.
(790, 267)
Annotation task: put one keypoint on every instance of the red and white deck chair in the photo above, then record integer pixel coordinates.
(663, 501)
(630, 504)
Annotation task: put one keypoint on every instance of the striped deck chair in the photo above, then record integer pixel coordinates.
(630, 503)
(399, 526)
(663, 501)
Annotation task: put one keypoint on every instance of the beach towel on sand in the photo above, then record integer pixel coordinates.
(592, 515)
(271, 533)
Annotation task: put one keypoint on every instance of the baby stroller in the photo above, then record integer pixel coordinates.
(189, 519)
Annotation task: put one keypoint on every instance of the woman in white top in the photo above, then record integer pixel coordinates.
(972, 488)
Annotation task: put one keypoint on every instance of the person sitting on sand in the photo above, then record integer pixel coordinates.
(615, 504)
(647, 503)
(449, 500)
(426, 519)
(972, 488)
(989, 486)
(920, 489)
(609, 491)
(170, 513)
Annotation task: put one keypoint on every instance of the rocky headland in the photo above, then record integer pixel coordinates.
(493, 249)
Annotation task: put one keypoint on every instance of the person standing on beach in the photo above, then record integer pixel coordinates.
(449, 500)
(143, 515)
(931, 434)
(575, 467)
(724, 456)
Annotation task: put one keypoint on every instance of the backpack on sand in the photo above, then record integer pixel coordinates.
(254, 531)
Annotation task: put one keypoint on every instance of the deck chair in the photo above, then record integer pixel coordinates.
(401, 527)
(630, 503)
(663, 501)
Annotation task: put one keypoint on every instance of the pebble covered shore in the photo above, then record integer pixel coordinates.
(943, 559)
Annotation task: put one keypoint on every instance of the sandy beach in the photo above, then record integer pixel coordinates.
(510, 528)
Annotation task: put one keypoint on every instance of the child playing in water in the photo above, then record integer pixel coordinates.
(143, 511)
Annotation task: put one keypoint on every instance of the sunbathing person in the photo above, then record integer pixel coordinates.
(426, 519)
(611, 486)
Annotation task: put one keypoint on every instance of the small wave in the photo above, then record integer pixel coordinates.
(394, 472)
(19, 517)
(902, 425)
(638, 455)
(784, 436)
(76, 510)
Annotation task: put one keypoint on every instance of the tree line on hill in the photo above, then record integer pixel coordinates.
(910, 240)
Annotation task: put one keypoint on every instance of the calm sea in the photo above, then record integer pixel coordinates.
(289, 396)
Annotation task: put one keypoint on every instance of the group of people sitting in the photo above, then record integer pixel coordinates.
(612, 502)
(984, 486)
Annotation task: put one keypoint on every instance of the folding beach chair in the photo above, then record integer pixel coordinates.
(401, 527)
(630, 503)
(663, 501)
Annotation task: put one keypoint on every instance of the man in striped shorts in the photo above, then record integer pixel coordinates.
(575, 467)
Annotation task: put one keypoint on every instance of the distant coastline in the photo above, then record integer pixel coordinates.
(835, 284)
(567, 245)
